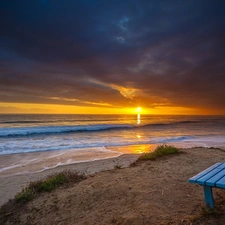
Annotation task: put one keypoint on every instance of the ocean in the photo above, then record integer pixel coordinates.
(91, 137)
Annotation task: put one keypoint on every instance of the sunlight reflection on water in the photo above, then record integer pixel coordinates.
(138, 118)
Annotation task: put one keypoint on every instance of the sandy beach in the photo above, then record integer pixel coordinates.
(17, 170)
(152, 192)
(11, 183)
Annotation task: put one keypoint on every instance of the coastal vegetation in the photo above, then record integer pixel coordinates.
(160, 151)
(46, 185)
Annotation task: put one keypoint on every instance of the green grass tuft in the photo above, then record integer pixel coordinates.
(50, 183)
(25, 195)
(160, 151)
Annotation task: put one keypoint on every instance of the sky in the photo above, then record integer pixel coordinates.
(87, 56)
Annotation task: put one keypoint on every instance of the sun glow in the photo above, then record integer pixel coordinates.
(34, 108)
(138, 109)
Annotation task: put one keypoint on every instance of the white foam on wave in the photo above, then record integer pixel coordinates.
(25, 131)
(76, 143)
(8, 168)
(201, 141)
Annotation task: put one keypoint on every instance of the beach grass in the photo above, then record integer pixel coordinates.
(46, 185)
(160, 151)
(33, 190)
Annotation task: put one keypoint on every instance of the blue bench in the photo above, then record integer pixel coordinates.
(214, 176)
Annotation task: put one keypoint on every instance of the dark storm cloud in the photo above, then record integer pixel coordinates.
(78, 52)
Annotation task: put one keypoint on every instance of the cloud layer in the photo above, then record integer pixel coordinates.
(113, 53)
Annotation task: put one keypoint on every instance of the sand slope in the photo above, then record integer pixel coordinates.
(153, 192)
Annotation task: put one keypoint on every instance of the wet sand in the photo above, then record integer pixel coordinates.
(26, 163)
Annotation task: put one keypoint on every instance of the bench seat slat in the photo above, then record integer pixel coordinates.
(212, 181)
(211, 174)
(221, 183)
(201, 174)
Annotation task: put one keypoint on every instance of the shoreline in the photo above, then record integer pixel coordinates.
(37, 162)
(33, 162)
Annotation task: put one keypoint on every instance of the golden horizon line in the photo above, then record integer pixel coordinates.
(150, 114)
(39, 108)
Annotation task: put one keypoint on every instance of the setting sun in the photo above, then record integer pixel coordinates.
(138, 109)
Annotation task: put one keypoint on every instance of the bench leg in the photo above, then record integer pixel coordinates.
(208, 196)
